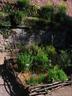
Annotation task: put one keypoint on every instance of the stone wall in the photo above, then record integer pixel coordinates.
(60, 39)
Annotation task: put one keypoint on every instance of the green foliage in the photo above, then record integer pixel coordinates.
(53, 13)
(24, 60)
(56, 74)
(33, 81)
(32, 11)
(65, 58)
(50, 50)
(40, 60)
(2, 14)
(8, 8)
(26, 8)
(41, 56)
(62, 9)
(15, 18)
(46, 12)
(42, 78)
(60, 13)
(23, 4)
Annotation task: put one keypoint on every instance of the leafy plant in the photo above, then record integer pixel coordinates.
(24, 60)
(40, 61)
(62, 9)
(32, 81)
(8, 8)
(42, 78)
(50, 50)
(56, 74)
(32, 11)
(60, 13)
(41, 56)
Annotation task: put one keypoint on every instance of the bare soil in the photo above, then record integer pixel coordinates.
(63, 91)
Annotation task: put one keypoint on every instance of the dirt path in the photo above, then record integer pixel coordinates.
(63, 91)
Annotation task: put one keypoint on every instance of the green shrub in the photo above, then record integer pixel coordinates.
(24, 61)
(62, 76)
(42, 78)
(53, 13)
(23, 4)
(65, 58)
(15, 18)
(32, 81)
(50, 50)
(8, 8)
(61, 9)
(39, 53)
(60, 13)
(41, 56)
(13, 15)
(46, 12)
(56, 74)
(32, 11)
(40, 61)
(39, 80)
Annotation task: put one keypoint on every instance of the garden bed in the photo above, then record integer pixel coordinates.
(44, 89)
(36, 89)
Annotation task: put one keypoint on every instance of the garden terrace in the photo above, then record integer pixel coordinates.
(39, 40)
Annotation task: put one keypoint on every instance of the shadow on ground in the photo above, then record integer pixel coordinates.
(11, 84)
